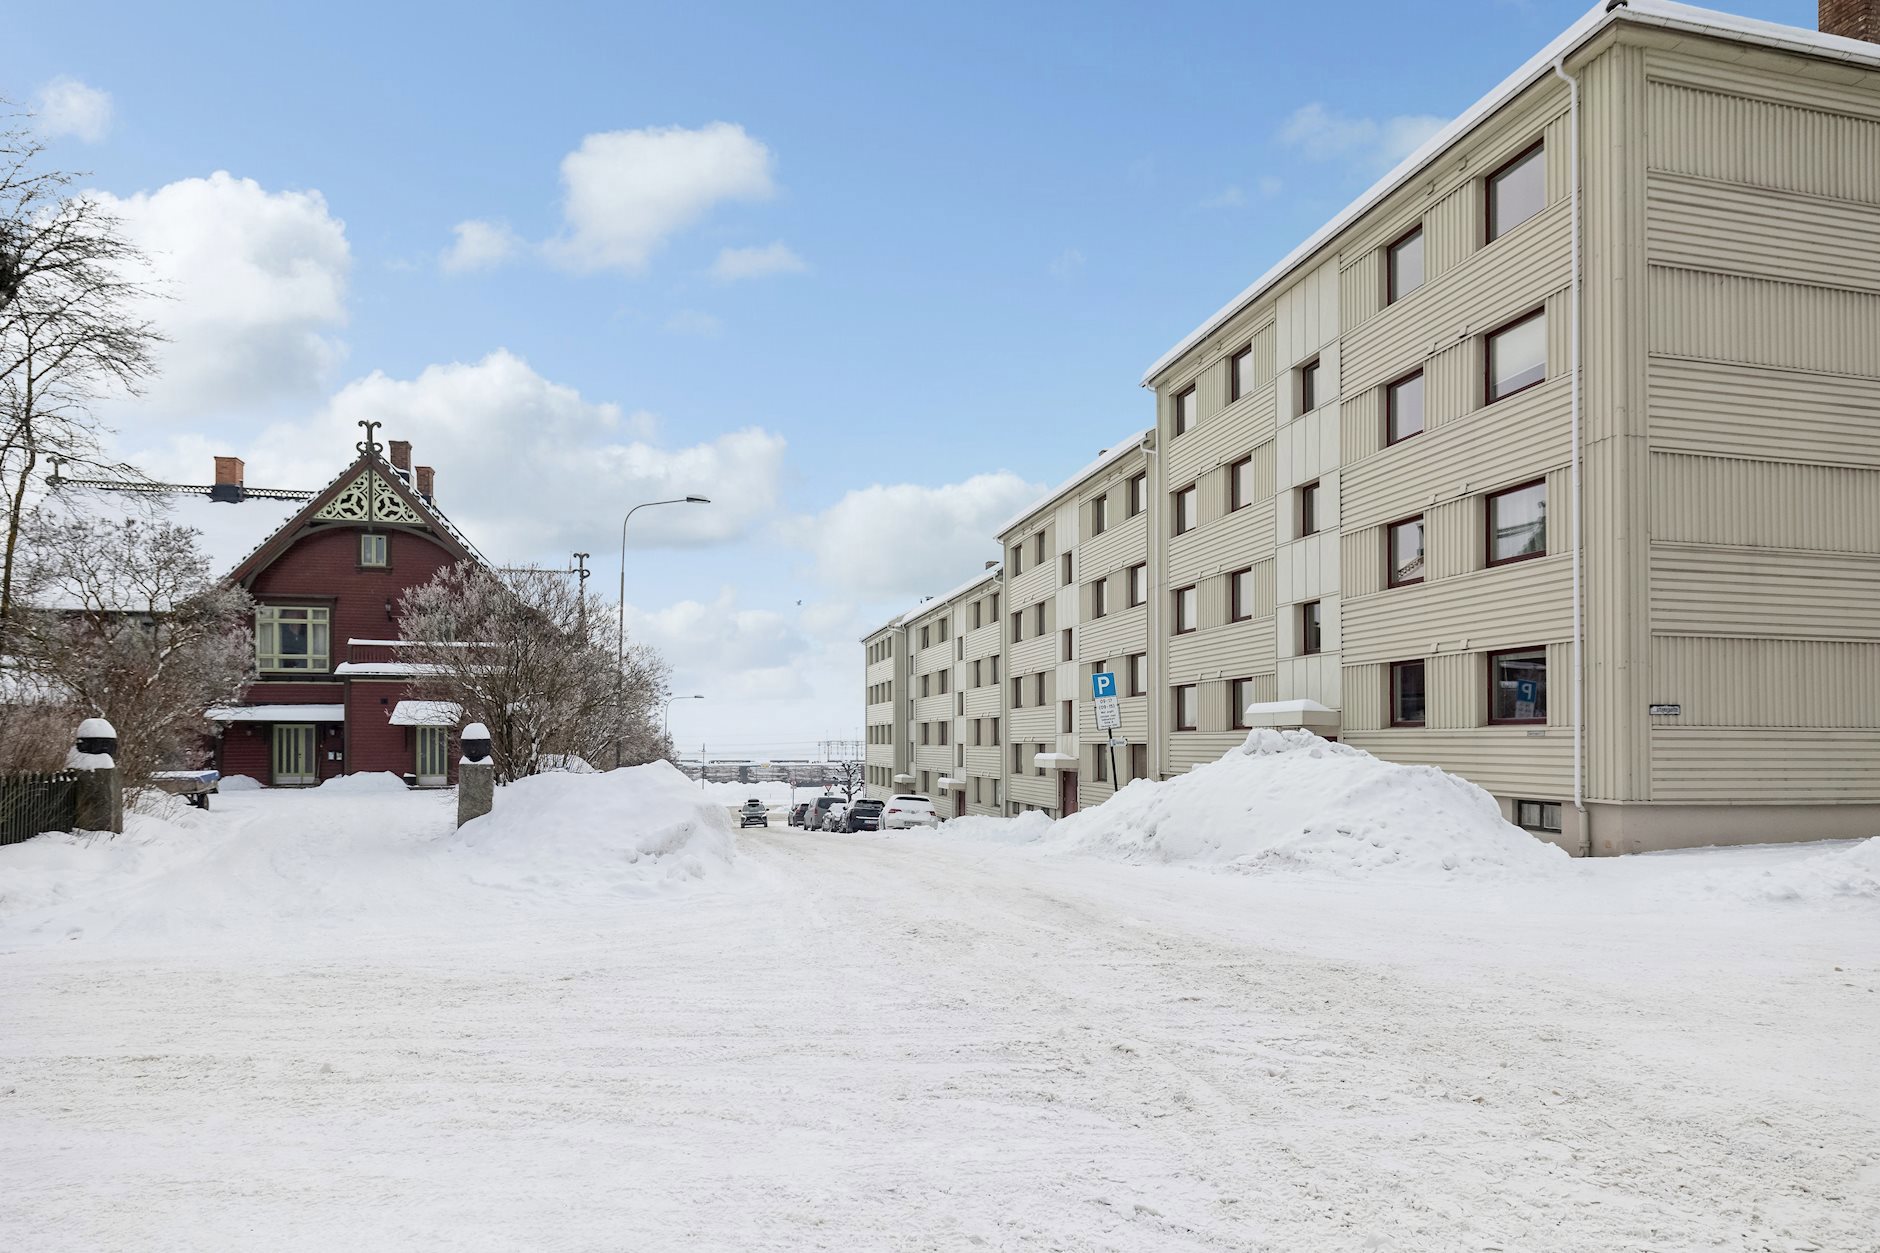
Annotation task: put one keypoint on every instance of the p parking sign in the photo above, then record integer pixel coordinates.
(1102, 683)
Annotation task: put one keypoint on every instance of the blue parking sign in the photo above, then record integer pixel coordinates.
(1102, 684)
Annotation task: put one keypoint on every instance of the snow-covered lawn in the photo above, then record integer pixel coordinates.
(320, 1021)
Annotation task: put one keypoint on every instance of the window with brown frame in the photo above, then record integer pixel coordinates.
(1311, 628)
(1138, 494)
(1240, 595)
(1038, 686)
(1240, 484)
(1517, 523)
(1099, 763)
(1068, 640)
(1309, 386)
(1308, 509)
(1037, 549)
(1016, 561)
(1185, 600)
(1514, 357)
(1406, 693)
(1239, 696)
(1185, 707)
(1136, 667)
(1068, 717)
(1018, 691)
(1099, 598)
(1403, 552)
(1403, 408)
(926, 637)
(1100, 515)
(1517, 685)
(1184, 409)
(1067, 570)
(1138, 584)
(1184, 511)
(1403, 265)
(1018, 626)
(1038, 625)
(1138, 761)
(1240, 374)
(1515, 192)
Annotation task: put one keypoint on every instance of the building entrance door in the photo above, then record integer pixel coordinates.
(433, 749)
(294, 762)
(1067, 793)
(959, 803)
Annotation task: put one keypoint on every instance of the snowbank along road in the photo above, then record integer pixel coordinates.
(861, 1042)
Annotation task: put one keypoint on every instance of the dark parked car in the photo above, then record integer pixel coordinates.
(862, 816)
(796, 814)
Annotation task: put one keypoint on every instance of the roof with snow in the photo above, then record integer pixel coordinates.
(277, 713)
(1116, 452)
(1654, 13)
(989, 575)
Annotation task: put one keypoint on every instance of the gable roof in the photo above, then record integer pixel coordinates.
(371, 470)
(1661, 14)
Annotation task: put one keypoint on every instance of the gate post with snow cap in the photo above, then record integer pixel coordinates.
(100, 800)
(476, 775)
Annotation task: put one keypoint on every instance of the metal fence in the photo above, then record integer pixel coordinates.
(32, 803)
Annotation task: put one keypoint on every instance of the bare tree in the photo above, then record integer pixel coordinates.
(124, 620)
(516, 649)
(849, 777)
(69, 334)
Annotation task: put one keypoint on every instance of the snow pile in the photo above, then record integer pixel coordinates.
(1290, 800)
(1849, 872)
(54, 870)
(1025, 828)
(365, 783)
(238, 783)
(633, 831)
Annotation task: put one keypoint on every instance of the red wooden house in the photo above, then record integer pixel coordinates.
(333, 696)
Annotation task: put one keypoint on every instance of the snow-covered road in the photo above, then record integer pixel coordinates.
(859, 1042)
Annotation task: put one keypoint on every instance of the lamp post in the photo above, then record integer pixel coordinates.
(667, 727)
(620, 656)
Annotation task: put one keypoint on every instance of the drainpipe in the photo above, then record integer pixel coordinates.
(1579, 551)
(1153, 488)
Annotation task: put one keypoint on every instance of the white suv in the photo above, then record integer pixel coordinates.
(902, 812)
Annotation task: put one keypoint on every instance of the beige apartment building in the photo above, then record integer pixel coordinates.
(1554, 461)
(933, 718)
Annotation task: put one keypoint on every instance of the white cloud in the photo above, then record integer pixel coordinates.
(903, 541)
(1066, 263)
(530, 468)
(734, 654)
(1371, 144)
(478, 246)
(693, 322)
(736, 263)
(253, 287)
(626, 192)
(69, 107)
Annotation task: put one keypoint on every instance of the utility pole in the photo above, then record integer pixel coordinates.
(581, 573)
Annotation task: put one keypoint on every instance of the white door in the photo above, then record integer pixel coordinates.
(294, 761)
(433, 747)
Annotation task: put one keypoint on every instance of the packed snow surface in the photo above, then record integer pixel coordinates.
(1290, 800)
(365, 783)
(1849, 872)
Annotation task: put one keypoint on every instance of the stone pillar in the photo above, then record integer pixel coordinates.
(100, 795)
(476, 775)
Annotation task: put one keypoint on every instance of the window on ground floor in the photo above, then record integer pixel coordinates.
(1406, 694)
(1538, 815)
(1517, 685)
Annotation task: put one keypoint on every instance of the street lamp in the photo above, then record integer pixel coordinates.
(620, 658)
(668, 723)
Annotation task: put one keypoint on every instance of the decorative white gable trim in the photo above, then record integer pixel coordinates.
(386, 505)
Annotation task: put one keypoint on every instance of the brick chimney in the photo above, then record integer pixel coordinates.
(401, 456)
(1851, 19)
(228, 480)
(427, 479)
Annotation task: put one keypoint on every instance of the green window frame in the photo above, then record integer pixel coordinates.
(292, 638)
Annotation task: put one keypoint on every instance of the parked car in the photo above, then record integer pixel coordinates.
(832, 817)
(862, 816)
(818, 811)
(902, 812)
(754, 814)
(797, 813)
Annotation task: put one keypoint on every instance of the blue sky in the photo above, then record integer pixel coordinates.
(971, 228)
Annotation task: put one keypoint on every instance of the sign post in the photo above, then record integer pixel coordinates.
(1109, 713)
